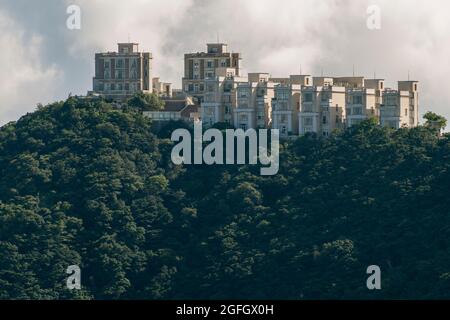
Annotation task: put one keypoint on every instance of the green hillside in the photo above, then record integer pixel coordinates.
(84, 183)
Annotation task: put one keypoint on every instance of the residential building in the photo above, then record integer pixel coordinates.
(163, 89)
(202, 65)
(322, 107)
(360, 105)
(286, 103)
(254, 102)
(400, 107)
(219, 100)
(119, 75)
(176, 109)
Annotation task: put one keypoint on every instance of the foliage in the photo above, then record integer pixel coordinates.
(146, 102)
(88, 184)
(434, 120)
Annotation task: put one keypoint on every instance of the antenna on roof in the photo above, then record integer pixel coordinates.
(353, 70)
(322, 72)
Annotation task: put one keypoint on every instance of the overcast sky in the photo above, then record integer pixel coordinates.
(43, 61)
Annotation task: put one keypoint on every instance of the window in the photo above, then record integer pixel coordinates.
(307, 97)
(308, 121)
(223, 63)
(357, 99)
(406, 112)
(209, 64)
(307, 81)
(283, 129)
(357, 111)
(242, 93)
(307, 108)
(209, 87)
(326, 96)
(282, 95)
(227, 87)
(415, 87)
(226, 99)
(324, 120)
(261, 92)
(260, 115)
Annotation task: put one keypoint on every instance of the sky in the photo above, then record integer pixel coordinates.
(42, 61)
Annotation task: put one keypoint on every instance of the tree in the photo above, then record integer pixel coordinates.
(435, 121)
(84, 183)
(146, 102)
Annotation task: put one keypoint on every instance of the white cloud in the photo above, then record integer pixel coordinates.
(24, 81)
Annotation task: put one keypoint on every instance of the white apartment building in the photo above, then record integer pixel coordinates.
(219, 100)
(286, 104)
(322, 108)
(400, 107)
(203, 65)
(294, 105)
(254, 102)
(360, 105)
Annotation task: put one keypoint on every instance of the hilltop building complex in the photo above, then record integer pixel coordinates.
(295, 105)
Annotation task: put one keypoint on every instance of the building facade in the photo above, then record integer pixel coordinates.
(400, 108)
(219, 101)
(119, 75)
(254, 102)
(202, 65)
(162, 89)
(286, 103)
(294, 105)
(322, 108)
(175, 109)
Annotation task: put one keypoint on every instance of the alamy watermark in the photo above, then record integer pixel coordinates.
(373, 21)
(74, 280)
(73, 21)
(374, 280)
(186, 152)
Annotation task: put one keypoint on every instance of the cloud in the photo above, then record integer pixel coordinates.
(273, 36)
(25, 82)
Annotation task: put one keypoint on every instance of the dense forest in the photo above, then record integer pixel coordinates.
(86, 183)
